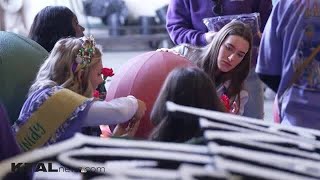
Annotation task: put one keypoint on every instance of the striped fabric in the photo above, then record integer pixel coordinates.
(235, 147)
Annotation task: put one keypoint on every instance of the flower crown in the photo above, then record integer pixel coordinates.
(85, 53)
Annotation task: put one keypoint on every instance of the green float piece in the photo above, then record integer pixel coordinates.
(20, 59)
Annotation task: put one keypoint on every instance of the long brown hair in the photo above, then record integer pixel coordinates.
(189, 86)
(206, 57)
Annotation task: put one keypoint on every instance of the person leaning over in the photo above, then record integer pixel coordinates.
(60, 100)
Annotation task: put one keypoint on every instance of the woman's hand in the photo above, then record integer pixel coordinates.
(131, 129)
(168, 50)
(141, 110)
(127, 131)
(234, 108)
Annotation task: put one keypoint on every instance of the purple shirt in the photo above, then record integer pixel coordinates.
(291, 35)
(9, 146)
(184, 17)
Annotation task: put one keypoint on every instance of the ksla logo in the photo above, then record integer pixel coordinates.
(37, 167)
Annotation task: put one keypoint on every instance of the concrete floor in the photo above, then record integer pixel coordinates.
(116, 59)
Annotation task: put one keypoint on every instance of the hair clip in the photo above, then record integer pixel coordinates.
(85, 53)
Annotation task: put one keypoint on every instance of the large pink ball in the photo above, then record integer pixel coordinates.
(142, 77)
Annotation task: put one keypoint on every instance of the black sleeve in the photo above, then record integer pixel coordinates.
(271, 81)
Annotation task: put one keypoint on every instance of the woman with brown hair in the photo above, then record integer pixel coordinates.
(188, 86)
(226, 60)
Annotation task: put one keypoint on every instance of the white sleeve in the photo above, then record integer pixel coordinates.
(113, 112)
(182, 49)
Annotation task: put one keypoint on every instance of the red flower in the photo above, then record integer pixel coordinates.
(226, 101)
(101, 90)
(96, 94)
(107, 72)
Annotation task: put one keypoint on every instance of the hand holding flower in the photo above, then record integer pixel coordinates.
(101, 91)
(234, 108)
(225, 101)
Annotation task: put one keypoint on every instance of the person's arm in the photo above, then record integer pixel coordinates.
(113, 112)
(269, 64)
(181, 49)
(179, 25)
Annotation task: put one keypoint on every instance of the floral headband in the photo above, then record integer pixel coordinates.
(85, 53)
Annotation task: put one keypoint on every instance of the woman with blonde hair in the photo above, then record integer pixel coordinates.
(60, 100)
(226, 60)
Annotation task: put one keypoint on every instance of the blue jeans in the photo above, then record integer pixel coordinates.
(255, 105)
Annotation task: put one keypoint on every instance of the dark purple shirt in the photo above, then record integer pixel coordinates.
(9, 146)
(184, 17)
